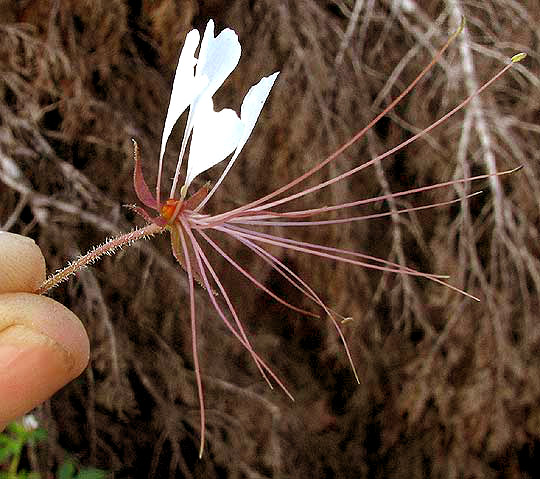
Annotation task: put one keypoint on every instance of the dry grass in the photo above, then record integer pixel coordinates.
(449, 388)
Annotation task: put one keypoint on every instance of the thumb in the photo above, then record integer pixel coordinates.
(43, 345)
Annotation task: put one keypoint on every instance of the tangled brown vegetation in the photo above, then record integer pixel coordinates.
(450, 388)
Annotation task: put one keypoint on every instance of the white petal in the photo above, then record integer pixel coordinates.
(215, 136)
(218, 57)
(252, 105)
(251, 109)
(185, 86)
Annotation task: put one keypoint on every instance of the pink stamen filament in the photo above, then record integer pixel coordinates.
(284, 271)
(356, 137)
(310, 293)
(341, 251)
(262, 204)
(242, 337)
(310, 249)
(253, 279)
(375, 199)
(263, 222)
(194, 345)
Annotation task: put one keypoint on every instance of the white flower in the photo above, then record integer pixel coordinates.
(29, 422)
(214, 135)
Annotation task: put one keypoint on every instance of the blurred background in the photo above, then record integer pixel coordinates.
(449, 387)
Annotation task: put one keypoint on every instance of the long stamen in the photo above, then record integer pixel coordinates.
(318, 251)
(392, 150)
(194, 344)
(350, 219)
(262, 204)
(437, 278)
(242, 337)
(358, 135)
(253, 279)
(339, 251)
(310, 294)
(278, 266)
(375, 199)
(305, 247)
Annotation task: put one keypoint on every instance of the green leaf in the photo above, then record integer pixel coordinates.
(91, 473)
(23, 475)
(10, 448)
(5, 453)
(16, 429)
(66, 470)
(5, 440)
(37, 435)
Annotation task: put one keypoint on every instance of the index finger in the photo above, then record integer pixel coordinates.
(22, 266)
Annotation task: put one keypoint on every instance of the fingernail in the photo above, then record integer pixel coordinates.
(45, 324)
(22, 267)
(16, 237)
(32, 368)
(21, 346)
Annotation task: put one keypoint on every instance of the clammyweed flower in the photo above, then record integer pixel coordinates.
(213, 136)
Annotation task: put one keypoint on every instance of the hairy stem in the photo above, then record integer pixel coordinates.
(110, 247)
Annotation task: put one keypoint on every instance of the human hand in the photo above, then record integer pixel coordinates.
(43, 345)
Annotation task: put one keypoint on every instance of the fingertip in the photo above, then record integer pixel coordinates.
(43, 346)
(22, 267)
(51, 319)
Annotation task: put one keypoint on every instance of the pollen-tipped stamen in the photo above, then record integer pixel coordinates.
(386, 154)
(358, 135)
(302, 286)
(318, 250)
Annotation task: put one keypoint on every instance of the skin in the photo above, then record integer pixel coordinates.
(43, 345)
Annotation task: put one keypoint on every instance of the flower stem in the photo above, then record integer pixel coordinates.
(111, 246)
